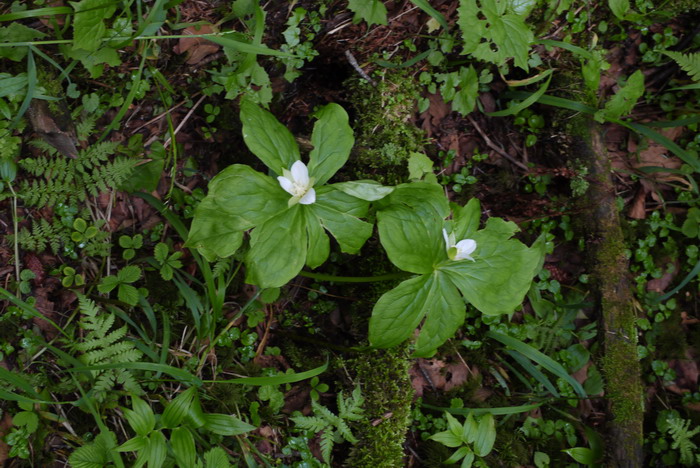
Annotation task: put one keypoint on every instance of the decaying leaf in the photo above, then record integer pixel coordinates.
(196, 48)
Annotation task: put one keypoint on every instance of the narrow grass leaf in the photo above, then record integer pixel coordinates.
(50, 11)
(534, 372)
(178, 374)
(540, 358)
(479, 411)
(276, 380)
(426, 7)
(517, 108)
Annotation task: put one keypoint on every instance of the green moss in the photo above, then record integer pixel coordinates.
(383, 376)
(385, 136)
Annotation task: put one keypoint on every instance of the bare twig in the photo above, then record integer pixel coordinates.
(495, 147)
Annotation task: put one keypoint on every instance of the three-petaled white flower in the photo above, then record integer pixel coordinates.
(461, 250)
(297, 183)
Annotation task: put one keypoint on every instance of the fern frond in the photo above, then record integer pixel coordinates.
(310, 423)
(104, 341)
(690, 63)
(682, 435)
(327, 445)
(345, 431)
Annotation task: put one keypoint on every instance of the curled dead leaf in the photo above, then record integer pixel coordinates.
(196, 48)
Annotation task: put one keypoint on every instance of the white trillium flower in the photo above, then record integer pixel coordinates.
(297, 183)
(461, 250)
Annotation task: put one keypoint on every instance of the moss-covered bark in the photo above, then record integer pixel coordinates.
(383, 375)
(610, 267)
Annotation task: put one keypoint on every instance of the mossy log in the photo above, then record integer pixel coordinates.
(610, 267)
(383, 376)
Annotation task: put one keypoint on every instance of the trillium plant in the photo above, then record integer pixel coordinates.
(287, 216)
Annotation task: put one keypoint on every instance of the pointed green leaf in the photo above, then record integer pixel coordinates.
(469, 429)
(96, 454)
(182, 443)
(332, 140)
(445, 316)
(583, 455)
(268, 139)
(135, 444)
(225, 424)
(319, 244)
(485, 436)
(399, 311)
(466, 219)
(277, 249)
(368, 190)
(454, 425)
(140, 417)
(177, 409)
(458, 455)
(156, 450)
(624, 100)
(447, 438)
(350, 232)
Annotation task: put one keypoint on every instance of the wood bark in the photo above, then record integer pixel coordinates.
(610, 267)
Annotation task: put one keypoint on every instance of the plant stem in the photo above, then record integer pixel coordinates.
(354, 279)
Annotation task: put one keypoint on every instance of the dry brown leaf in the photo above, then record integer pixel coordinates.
(197, 48)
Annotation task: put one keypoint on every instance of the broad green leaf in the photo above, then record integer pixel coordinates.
(464, 99)
(368, 190)
(418, 165)
(485, 435)
(129, 274)
(239, 198)
(624, 100)
(399, 311)
(493, 34)
(268, 139)
(447, 439)
(216, 458)
(160, 252)
(425, 198)
(88, 22)
(93, 61)
(497, 281)
(413, 241)
(277, 249)
(156, 450)
(583, 455)
(140, 417)
(28, 419)
(225, 424)
(350, 232)
(17, 32)
(466, 219)
(332, 140)
(334, 198)
(445, 316)
(128, 294)
(182, 443)
(177, 409)
(372, 11)
(619, 7)
(319, 244)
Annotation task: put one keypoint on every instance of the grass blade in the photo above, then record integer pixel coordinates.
(426, 7)
(540, 358)
(479, 411)
(534, 371)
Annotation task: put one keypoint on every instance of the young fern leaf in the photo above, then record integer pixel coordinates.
(103, 345)
(690, 63)
(327, 442)
(679, 429)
